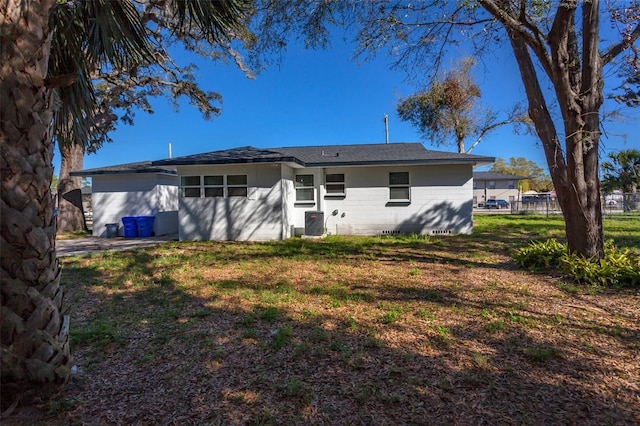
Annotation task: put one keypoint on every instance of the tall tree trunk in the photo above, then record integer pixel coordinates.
(34, 333)
(579, 94)
(70, 209)
(578, 82)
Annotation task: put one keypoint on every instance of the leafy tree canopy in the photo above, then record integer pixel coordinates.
(450, 107)
(537, 179)
(621, 170)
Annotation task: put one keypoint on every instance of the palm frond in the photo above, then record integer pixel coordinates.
(216, 19)
(74, 96)
(92, 35)
(115, 33)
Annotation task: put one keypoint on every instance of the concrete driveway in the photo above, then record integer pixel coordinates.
(92, 244)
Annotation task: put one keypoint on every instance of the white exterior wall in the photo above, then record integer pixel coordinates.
(441, 201)
(136, 194)
(258, 217)
(288, 199)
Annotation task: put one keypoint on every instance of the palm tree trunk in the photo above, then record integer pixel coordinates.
(35, 340)
(70, 209)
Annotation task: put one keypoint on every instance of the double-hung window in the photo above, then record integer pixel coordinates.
(190, 186)
(305, 191)
(399, 189)
(236, 185)
(334, 184)
(213, 186)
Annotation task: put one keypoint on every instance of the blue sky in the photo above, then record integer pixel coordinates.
(319, 98)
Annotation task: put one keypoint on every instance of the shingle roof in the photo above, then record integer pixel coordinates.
(246, 154)
(140, 167)
(496, 176)
(331, 155)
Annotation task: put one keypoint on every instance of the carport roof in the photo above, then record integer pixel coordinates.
(139, 167)
(330, 155)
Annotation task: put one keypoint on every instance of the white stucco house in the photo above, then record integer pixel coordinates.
(259, 194)
(134, 189)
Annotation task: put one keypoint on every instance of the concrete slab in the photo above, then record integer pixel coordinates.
(82, 246)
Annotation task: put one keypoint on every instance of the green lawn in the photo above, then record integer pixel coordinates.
(347, 330)
(623, 229)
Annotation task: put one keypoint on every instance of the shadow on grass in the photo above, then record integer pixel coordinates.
(152, 349)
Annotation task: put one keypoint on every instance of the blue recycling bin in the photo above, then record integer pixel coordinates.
(130, 227)
(145, 226)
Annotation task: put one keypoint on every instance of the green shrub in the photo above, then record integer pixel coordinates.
(619, 267)
(539, 255)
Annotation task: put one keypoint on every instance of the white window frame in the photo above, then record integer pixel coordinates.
(299, 186)
(402, 185)
(337, 184)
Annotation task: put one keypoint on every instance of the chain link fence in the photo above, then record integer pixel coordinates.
(621, 202)
(611, 204)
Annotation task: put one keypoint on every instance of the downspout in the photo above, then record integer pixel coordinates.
(283, 224)
(321, 191)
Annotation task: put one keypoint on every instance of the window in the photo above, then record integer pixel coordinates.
(190, 186)
(399, 186)
(304, 188)
(512, 185)
(214, 186)
(475, 184)
(334, 184)
(492, 184)
(217, 186)
(236, 185)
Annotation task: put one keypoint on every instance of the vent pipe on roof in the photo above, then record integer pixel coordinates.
(169, 149)
(386, 128)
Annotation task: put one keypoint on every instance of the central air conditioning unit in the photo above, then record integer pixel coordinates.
(314, 223)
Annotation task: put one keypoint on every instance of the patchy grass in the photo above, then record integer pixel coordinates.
(623, 229)
(73, 235)
(345, 330)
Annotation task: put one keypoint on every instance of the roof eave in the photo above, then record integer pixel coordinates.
(122, 172)
(472, 161)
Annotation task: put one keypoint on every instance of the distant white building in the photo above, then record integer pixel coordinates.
(495, 186)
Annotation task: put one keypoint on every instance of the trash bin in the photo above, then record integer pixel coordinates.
(130, 227)
(112, 230)
(145, 226)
